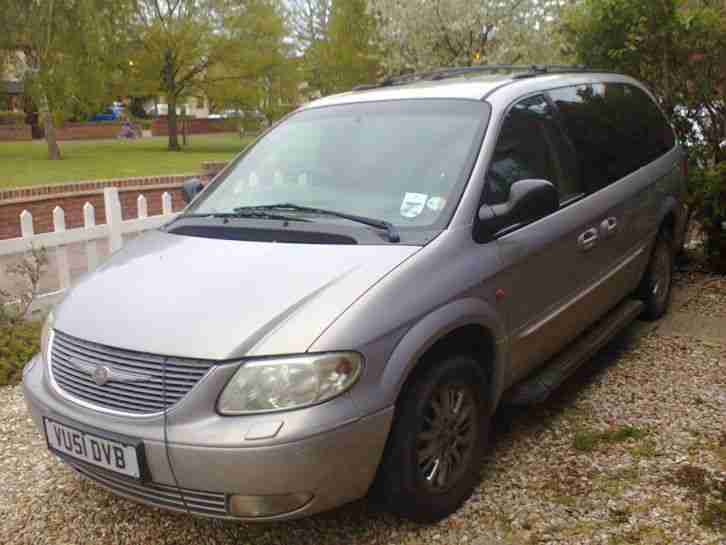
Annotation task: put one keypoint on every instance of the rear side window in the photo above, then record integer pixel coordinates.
(616, 129)
(531, 145)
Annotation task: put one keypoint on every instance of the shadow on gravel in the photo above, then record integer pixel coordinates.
(510, 421)
(359, 520)
(362, 522)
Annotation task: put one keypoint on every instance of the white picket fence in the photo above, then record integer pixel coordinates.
(114, 229)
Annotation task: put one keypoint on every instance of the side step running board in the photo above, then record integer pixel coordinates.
(538, 386)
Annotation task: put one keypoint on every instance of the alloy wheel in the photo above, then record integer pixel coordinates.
(447, 439)
(662, 273)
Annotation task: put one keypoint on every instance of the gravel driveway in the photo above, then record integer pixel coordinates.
(631, 450)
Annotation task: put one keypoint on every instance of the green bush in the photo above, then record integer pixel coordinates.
(12, 118)
(19, 342)
(707, 187)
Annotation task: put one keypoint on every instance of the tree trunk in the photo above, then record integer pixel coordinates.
(49, 127)
(172, 124)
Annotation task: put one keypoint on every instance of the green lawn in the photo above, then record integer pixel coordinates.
(26, 163)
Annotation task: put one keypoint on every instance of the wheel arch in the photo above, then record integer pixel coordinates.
(469, 324)
(671, 217)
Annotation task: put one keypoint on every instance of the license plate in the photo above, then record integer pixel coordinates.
(107, 453)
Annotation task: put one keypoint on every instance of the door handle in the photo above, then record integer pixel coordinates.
(608, 227)
(588, 239)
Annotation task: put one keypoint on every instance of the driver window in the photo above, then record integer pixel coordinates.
(531, 145)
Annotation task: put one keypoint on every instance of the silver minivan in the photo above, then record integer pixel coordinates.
(341, 311)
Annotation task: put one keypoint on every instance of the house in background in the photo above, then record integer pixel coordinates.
(11, 95)
(195, 106)
(11, 82)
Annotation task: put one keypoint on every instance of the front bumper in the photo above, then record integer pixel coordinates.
(335, 466)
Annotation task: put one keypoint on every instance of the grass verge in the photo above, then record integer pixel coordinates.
(27, 164)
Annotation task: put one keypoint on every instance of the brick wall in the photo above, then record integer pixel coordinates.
(40, 201)
(10, 133)
(159, 126)
(88, 131)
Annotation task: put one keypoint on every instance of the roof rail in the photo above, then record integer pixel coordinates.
(521, 71)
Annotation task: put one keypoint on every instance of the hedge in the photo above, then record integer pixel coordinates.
(12, 118)
(19, 342)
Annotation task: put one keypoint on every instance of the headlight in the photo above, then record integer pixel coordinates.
(45, 337)
(289, 383)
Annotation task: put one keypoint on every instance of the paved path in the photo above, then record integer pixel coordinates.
(49, 280)
(684, 322)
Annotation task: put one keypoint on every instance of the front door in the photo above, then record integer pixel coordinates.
(548, 264)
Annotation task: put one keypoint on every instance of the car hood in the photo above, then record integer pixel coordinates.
(219, 299)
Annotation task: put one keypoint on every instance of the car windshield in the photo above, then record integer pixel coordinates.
(403, 162)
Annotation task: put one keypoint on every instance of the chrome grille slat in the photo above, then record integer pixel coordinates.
(185, 375)
(165, 493)
(94, 390)
(120, 396)
(138, 398)
(108, 401)
(199, 502)
(112, 404)
(125, 354)
(129, 356)
(171, 389)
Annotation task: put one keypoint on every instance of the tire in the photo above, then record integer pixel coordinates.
(655, 287)
(441, 415)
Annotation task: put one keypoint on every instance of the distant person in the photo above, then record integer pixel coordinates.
(128, 130)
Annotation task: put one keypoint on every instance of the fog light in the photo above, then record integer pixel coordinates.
(266, 506)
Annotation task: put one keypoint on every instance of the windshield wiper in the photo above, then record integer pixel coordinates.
(391, 229)
(251, 212)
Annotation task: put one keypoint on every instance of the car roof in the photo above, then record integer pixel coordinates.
(469, 87)
(473, 88)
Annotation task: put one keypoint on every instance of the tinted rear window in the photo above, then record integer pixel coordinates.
(616, 129)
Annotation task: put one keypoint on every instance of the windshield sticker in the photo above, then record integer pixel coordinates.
(413, 204)
(436, 203)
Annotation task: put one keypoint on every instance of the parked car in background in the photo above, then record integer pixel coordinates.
(112, 113)
(342, 310)
(225, 114)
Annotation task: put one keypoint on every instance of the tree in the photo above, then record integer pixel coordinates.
(531, 36)
(347, 55)
(260, 72)
(425, 35)
(309, 21)
(66, 47)
(630, 36)
(678, 47)
(172, 47)
(702, 37)
(233, 51)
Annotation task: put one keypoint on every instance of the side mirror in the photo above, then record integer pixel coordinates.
(191, 188)
(529, 200)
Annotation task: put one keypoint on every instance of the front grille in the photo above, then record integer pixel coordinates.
(135, 383)
(209, 504)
